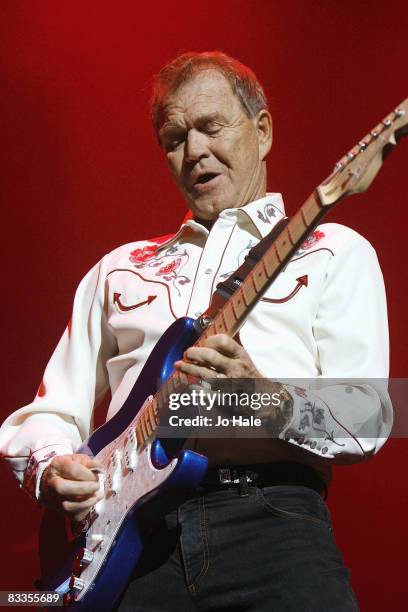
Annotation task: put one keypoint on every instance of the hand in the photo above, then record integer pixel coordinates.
(68, 484)
(221, 357)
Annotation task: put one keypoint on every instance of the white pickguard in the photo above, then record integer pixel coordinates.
(112, 510)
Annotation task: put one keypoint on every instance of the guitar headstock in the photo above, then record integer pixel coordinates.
(355, 171)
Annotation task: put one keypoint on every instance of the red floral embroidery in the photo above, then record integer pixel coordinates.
(173, 265)
(312, 240)
(142, 255)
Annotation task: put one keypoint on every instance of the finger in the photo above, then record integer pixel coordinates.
(225, 345)
(72, 507)
(198, 371)
(71, 488)
(74, 470)
(87, 461)
(207, 357)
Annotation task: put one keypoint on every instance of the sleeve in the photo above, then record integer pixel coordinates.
(75, 380)
(345, 415)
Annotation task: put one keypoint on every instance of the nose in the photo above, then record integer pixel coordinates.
(196, 146)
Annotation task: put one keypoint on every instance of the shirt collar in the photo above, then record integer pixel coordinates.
(263, 213)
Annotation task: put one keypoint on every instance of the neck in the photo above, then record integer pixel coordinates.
(208, 223)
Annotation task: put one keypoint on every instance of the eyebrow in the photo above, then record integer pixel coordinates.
(215, 116)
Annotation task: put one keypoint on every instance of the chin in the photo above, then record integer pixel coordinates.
(209, 208)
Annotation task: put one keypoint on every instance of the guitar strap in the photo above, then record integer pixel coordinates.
(225, 289)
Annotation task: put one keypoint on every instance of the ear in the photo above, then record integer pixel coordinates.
(263, 124)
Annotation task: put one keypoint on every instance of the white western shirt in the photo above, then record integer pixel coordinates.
(330, 325)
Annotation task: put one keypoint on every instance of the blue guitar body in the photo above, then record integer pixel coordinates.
(178, 473)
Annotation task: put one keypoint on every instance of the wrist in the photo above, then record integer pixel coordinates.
(278, 416)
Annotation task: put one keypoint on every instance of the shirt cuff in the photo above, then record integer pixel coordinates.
(314, 428)
(38, 462)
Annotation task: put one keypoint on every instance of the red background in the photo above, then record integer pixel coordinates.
(81, 173)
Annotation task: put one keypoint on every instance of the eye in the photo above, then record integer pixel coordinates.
(172, 140)
(173, 144)
(212, 129)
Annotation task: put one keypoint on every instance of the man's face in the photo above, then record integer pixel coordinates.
(214, 151)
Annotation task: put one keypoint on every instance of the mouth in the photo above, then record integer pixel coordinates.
(205, 178)
(206, 181)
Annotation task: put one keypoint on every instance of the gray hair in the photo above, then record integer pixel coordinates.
(242, 79)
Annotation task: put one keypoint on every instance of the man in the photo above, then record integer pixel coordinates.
(260, 539)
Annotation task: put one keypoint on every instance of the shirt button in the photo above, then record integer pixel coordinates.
(208, 271)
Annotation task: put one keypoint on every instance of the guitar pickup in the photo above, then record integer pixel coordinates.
(130, 455)
(113, 480)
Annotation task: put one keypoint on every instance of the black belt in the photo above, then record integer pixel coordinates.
(261, 475)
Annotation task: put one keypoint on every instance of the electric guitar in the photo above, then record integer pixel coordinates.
(91, 566)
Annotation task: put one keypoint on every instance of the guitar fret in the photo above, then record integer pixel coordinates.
(139, 437)
(271, 261)
(311, 209)
(283, 247)
(259, 277)
(149, 426)
(262, 262)
(302, 213)
(152, 414)
(289, 233)
(223, 320)
(239, 303)
(152, 417)
(143, 428)
(233, 308)
(229, 315)
(147, 423)
(297, 226)
(219, 325)
(248, 290)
